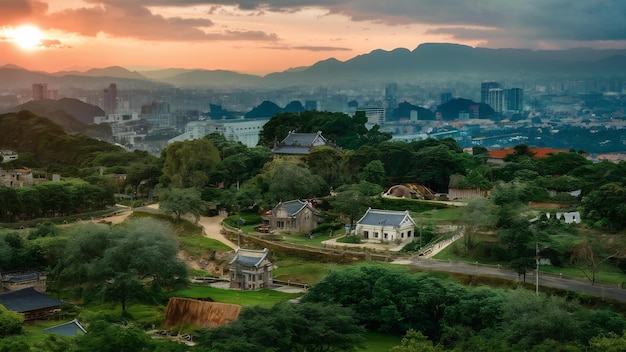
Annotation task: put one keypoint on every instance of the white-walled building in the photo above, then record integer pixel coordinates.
(386, 226)
(245, 131)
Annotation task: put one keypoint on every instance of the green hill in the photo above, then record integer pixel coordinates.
(45, 142)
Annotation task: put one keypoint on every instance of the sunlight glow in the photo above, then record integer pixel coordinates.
(27, 37)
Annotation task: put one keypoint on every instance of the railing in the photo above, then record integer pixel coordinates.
(291, 283)
(209, 279)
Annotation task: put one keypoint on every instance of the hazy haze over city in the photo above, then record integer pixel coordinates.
(268, 36)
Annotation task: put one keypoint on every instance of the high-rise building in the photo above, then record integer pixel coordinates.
(484, 90)
(391, 96)
(495, 99)
(514, 99)
(445, 97)
(110, 99)
(40, 91)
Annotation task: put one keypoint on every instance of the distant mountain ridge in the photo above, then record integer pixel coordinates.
(398, 65)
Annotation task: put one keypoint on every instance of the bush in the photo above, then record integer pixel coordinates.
(326, 227)
(10, 322)
(350, 239)
(248, 218)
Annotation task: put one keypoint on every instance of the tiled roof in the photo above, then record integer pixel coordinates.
(293, 206)
(249, 257)
(288, 149)
(26, 300)
(23, 277)
(71, 328)
(300, 139)
(539, 152)
(378, 217)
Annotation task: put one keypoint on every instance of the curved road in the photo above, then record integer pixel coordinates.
(611, 291)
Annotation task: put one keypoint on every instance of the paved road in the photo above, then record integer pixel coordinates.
(545, 279)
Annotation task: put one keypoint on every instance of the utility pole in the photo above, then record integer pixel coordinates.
(537, 275)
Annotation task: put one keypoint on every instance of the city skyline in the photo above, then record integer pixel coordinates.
(261, 37)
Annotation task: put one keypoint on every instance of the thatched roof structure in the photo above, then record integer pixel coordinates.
(411, 191)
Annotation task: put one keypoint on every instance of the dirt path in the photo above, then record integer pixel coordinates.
(213, 227)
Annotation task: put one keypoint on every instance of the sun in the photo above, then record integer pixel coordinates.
(27, 37)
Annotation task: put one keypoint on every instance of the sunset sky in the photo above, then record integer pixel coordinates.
(258, 37)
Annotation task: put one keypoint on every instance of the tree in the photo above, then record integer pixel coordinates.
(107, 337)
(561, 163)
(606, 206)
(287, 327)
(528, 320)
(415, 341)
(288, 180)
(122, 263)
(590, 254)
(10, 322)
(328, 163)
(374, 172)
(612, 342)
(181, 201)
(350, 202)
(188, 163)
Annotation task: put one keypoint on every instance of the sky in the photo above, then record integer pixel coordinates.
(259, 37)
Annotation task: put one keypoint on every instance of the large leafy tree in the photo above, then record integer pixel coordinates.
(189, 163)
(351, 202)
(605, 207)
(436, 164)
(181, 201)
(561, 163)
(328, 163)
(287, 180)
(122, 263)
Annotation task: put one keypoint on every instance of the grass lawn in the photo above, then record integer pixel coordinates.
(377, 342)
(316, 241)
(265, 298)
(606, 273)
(301, 270)
(440, 215)
(198, 245)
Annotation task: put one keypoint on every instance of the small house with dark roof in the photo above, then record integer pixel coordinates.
(250, 269)
(386, 226)
(301, 143)
(19, 280)
(32, 304)
(294, 216)
(69, 329)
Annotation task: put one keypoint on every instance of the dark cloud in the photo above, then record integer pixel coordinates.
(524, 20)
(124, 18)
(489, 21)
(321, 48)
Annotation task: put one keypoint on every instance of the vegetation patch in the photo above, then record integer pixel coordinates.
(265, 298)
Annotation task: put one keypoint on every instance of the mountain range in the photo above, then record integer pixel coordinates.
(432, 60)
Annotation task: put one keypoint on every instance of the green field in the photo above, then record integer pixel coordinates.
(301, 270)
(265, 298)
(377, 342)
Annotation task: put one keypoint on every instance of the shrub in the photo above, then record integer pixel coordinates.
(350, 239)
(10, 322)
